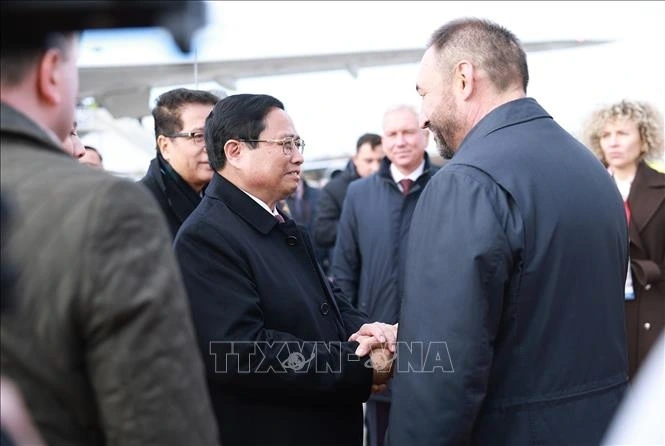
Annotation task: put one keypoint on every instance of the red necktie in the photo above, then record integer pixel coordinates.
(406, 185)
(626, 206)
(279, 218)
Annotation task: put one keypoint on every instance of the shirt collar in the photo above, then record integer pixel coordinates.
(398, 176)
(261, 203)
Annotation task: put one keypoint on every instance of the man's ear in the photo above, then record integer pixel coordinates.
(463, 79)
(233, 151)
(163, 146)
(50, 76)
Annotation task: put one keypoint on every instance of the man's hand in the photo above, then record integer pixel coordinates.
(377, 334)
(382, 367)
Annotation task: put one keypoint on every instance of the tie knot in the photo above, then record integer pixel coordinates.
(406, 185)
(279, 218)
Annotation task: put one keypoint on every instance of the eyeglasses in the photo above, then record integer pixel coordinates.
(197, 137)
(288, 144)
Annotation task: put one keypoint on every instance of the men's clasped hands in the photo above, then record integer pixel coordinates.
(378, 340)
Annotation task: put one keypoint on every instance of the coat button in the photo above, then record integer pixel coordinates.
(325, 308)
(647, 326)
(291, 240)
(647, 286)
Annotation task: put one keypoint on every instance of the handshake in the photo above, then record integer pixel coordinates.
(378, 340)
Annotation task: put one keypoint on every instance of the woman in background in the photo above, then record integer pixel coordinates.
(624, 136)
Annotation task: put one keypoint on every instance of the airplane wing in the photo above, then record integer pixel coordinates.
(125, 90)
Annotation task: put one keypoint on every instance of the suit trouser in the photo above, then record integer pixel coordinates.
(376, 421)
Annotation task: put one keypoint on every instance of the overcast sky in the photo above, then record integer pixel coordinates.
(332, 109)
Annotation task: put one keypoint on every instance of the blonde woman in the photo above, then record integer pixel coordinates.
(625, 136)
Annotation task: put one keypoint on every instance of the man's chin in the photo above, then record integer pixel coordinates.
(446, 152)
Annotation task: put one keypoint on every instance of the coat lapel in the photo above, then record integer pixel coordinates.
(647, 195)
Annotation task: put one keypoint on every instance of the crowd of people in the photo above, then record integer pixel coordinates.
(507, 297)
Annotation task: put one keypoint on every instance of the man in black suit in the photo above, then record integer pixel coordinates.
(273, 333)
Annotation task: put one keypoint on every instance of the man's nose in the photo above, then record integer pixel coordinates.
(297, 157)
(423, 121)
(79, 150)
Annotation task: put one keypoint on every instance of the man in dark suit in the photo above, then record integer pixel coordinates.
(273, 333)
(515, 268)
(180, 171)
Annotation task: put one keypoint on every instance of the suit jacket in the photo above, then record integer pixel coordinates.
(99, 340)
(272, 331)
(174, 196)
(513, 310)
(645, 316)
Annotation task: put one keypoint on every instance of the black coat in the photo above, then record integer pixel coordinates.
(303, 211)
(645, 316)
(513, 308)
(329, 207)
(175, 197)
(262, 311)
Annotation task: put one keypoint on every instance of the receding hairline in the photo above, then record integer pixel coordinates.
(398, 108)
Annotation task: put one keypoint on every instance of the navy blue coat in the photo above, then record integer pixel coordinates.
(272, 331)
(370, 251)
(516, 265)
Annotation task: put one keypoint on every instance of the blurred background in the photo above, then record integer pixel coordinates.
(331, 108)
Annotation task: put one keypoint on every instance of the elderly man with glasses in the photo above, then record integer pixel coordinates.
(180, 171)
(275, 336)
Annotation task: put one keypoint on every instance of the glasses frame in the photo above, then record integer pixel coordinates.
(190, 135)
(287, 144)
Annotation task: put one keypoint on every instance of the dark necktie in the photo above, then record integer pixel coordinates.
(279, 218)
(406, 185)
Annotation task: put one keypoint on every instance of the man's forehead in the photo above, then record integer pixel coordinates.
(279, 121)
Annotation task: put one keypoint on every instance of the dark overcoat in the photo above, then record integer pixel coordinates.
(513, 305)
(272, 331)
(645, 316)
(175, 197)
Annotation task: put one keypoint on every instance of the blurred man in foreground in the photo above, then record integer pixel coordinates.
(100, 341)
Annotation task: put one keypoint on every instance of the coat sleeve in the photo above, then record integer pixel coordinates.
(353, 318)
(239, 351)
(346, 256)
(140, 346)
(459, 261)
(326, 219)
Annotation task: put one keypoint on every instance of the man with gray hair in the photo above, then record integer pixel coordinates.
(370, 250)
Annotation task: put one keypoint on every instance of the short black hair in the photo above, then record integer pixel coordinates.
(372, 138)
(239, 116)
(168, 108)
(16, 60)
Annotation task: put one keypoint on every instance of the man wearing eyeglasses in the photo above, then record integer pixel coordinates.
(273, 333)
(180, 171)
